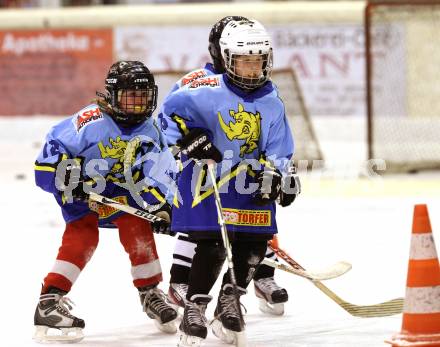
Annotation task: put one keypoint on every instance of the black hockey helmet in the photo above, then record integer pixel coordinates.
(214, 38)
(131, 92)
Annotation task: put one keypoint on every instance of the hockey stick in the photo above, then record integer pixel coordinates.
(334, 271)
(241, 340)
(387, 308)
(125, 208)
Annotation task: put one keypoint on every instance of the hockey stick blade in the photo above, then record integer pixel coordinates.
(384, 309)
(334, 271)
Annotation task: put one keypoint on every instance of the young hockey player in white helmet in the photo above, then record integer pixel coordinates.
(237, 116)
(100, 135)
(271, 296)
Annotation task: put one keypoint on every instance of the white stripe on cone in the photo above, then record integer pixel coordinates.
(422, 247)
(422, 300)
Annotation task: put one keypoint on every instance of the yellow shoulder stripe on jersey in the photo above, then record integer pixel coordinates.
(44, 168)
(49, 167)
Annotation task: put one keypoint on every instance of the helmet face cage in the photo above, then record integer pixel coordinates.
(258, 65)
(132, 92)
(214, 38)
(247, 53)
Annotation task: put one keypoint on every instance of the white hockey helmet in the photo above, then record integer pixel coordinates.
(241, 40)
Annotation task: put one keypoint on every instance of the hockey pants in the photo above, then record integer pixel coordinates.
(81, 238)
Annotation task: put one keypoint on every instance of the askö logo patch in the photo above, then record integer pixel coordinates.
(87, 117)
(212, 82)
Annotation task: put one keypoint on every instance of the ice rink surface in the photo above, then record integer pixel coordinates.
(338, 217)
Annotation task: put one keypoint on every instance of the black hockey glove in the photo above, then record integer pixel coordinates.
(269, 186)
(73, 179)
(164, 226)
(79, 194)
(197, 145)
(290, 188)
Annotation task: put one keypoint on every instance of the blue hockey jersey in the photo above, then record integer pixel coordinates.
(99, 145)
(250, 129)
(194, 75)
(187, 79)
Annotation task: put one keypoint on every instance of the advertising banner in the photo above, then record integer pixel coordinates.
(328, 59)
(53, 72)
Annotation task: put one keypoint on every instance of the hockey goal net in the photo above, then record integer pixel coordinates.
(403, 83)
(307, 149)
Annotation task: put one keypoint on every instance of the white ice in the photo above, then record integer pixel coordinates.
(338, 217)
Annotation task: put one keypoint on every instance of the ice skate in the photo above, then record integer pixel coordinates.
(154, 303)
(193, 328)
(53, 321)
(227, 324)
(271, 296)
(176, 296)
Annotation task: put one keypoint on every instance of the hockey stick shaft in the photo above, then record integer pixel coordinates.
(125, 208)
(387, 308)
(227, 245)
(334, 271)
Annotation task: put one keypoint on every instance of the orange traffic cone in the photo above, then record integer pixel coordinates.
(421, 311)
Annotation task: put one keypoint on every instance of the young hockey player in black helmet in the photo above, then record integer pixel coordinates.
(98, 136)
(237, 116)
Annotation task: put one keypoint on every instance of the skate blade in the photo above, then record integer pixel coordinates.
(44, 334)
(189, 341)
(240, 339)
(225, 335)
(273, 309)
(167, 328)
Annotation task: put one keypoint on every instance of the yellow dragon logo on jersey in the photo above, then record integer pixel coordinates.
(247, 127)
(116, 150)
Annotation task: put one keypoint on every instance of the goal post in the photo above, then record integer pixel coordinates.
(307, 147)
(402, 48)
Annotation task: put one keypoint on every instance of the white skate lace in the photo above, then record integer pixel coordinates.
(267, 285)
(156, 300)
(229, 307)
(63, 304)
(196, 314)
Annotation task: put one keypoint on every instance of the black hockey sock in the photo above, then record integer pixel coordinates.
(179, 274)
(264, 271)
(246, 256)
(206, 266)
